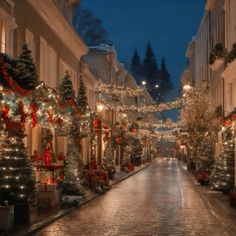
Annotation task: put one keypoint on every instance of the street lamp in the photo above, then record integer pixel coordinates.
(156, 86)
(143, 82)
(100, 106)
(187, 87)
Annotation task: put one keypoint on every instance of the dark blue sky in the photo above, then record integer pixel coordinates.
(169, 24)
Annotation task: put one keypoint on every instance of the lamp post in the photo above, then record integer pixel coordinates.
(100, 106)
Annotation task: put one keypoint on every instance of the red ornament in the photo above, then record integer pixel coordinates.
(5, 112)
(118, 139)
(50, 117)
(233, 117)
(22, 113)
(96, 124)
(59, 121)
(34, 107)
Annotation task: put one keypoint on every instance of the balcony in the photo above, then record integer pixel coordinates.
(230, 71)
(218, 63)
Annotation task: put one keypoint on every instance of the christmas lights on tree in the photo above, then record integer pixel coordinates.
(108, 160)
(16, 176)
(222, 177)
(73, 163)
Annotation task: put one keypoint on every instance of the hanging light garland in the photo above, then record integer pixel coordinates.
(117, 90)
(42, 105)
(159, 125)
(145, 108)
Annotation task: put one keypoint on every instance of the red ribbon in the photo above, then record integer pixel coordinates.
(33, 114)
(5, 112)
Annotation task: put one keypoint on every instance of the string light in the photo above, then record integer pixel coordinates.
(117, 90)
(144, 108)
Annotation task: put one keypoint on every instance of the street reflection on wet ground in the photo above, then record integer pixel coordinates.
(159, 200)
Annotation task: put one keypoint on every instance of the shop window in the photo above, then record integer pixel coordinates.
(29, 39)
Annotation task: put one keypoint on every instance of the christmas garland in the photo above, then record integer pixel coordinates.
(8, 79)
(145, 108)
(117, 90)
(160, 125)
(227, 120)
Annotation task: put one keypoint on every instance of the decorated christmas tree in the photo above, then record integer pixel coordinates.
(222, 177)
(66, 88)
(206, 156)
(82, 97)
(136, 153)
(108, 160)
(17, 184)
(26, 72)
(73, 163)
(16, 176)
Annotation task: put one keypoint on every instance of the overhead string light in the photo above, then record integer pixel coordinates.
(117, 90)
(145, 108)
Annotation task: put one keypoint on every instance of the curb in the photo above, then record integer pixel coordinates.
(39, 226)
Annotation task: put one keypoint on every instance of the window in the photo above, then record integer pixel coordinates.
(43, 59)
(52, 64)
(29, 39)
(3, 34)
(48, 64)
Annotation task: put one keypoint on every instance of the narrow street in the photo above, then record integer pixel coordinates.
(159, 200)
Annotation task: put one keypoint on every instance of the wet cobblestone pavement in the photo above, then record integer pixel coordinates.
(160, 200)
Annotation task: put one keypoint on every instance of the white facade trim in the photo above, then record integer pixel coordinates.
(60, 26)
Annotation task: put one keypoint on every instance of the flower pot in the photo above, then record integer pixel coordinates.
(6, 217)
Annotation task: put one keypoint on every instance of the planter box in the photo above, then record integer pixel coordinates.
(217, 64)
(6, 217)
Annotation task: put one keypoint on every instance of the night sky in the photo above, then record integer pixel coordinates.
(169, 24)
